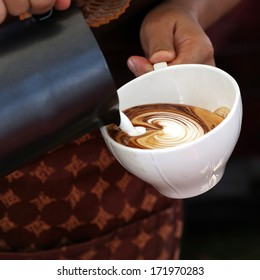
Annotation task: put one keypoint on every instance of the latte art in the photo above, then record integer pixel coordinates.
(166, 130)
(167, 125)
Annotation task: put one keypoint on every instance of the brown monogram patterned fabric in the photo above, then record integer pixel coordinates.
(77, 202)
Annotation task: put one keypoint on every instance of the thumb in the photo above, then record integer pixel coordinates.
(139, 65)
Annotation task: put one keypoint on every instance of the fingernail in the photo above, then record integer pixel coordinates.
(131, 65)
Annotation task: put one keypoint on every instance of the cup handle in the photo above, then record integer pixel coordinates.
(160, 65)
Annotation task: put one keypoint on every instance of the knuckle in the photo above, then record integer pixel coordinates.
(209, 50)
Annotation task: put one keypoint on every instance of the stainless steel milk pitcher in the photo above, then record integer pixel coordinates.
(55, 86)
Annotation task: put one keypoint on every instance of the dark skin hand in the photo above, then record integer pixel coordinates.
(173, 32)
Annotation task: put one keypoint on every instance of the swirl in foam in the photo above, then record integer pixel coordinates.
(169, 130)
(167, 125)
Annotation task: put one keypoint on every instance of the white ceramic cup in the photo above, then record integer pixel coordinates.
(192, 168)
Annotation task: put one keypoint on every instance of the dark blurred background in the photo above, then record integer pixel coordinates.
(225, 222)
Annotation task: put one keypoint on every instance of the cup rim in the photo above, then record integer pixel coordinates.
(195, 141)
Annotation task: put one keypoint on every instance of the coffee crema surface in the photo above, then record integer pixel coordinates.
(167, 125)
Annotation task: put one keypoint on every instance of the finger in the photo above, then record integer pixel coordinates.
(157, 41)
(16, 8)
(162, 56)
(62, 4)
(139, 65)
(3, 11)
(41, 6)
